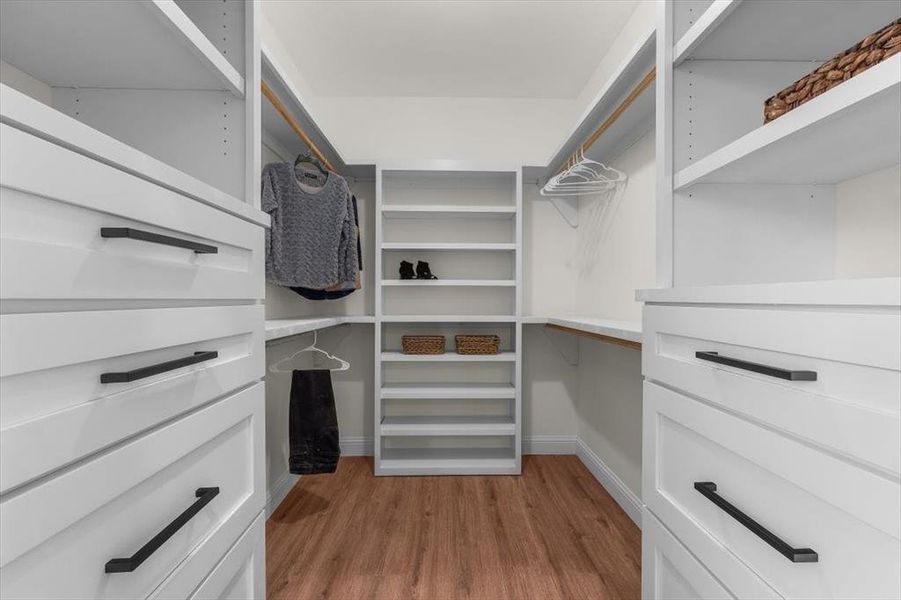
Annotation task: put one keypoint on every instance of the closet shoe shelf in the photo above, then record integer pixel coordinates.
(448, 319)
(280, 328)
(478, 247)
(419, 211)
(449, 282)
(448, 357)
(850, 130)
(448, 426)
(459, 461)
(449, 391)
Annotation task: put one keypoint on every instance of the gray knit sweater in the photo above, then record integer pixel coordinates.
(313, 239)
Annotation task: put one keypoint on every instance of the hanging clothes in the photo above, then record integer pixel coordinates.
(311, 294)
(312, 423)
(313, 242)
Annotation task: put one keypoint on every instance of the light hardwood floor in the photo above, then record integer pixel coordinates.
(552, 532)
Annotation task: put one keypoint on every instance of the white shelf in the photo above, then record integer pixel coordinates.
(448, 282)
(449, 319)
(141, 44)
(448, 357)
(415, 211)
(851, 130)
(808, 30)
(439, 461)
(622, 330)
(280, 328)
(22, 112)
(445, 426)
(883, 292)
(418, 391)
(453, 246)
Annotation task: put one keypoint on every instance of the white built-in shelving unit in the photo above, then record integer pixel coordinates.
(176, 101)
(448, 413)
(781, 184)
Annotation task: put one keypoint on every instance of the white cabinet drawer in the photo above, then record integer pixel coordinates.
(240, 575)
(54, 203)
(809, 499)
(54, 408)
(59, 536)
(670, 572)
(853, 406)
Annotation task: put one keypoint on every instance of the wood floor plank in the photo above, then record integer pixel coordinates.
(551, 533)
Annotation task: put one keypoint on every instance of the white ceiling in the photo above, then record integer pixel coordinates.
(447, 48)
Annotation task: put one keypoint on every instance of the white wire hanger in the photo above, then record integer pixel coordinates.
(279, 367)
(583, 178)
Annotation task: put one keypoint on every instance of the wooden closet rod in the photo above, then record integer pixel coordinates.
(616, 114)
(286, 115)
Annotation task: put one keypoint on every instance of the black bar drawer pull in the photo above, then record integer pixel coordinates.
(127, 565)
(757, 367)
(156, 238)
(127, 376)
(797, 555)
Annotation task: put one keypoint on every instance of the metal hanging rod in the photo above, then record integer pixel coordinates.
(286, 115)
(609, 121)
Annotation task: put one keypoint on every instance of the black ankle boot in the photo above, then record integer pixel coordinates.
(406, 270)
(423, 271)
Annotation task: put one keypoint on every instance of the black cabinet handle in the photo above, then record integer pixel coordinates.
(126, 376)
(797, 555)
(127, 565)
(156, 238)
(757, 367)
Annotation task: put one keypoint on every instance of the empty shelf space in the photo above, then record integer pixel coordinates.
(144, 44)
(464, 246)
(808, 30)
(279, 328)
(448, 391)
(850, 130)
(442, 426)
(449, 319)
(25, 113)
(448, 282)
(439, 461)
(448, 357)
(445, 210)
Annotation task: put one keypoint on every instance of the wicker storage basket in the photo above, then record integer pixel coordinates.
(423, 344)
(478, 344)
(871, 50)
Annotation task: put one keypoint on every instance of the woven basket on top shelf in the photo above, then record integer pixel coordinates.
(423, 344)
(870, 51)
(478, 344)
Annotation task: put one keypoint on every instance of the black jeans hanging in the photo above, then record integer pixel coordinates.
(313, 423)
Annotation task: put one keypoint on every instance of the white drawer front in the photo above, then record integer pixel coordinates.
(53, 204)
(810, 499)
(853, 406)
(670, 572)
(55, 410)
(59, 536)
(240, 575)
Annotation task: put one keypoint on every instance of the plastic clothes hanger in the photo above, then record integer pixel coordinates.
(279, 367)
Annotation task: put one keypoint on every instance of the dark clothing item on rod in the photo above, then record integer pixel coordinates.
(311, 294)
(312, 423)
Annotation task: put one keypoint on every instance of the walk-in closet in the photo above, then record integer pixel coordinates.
(450, 300)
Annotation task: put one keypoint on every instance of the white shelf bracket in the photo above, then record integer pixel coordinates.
(567, 345)
(568, 209)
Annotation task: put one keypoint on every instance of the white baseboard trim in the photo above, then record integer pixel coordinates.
(277, 494)
(549, 444)
(356, 446)
(626, 498)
